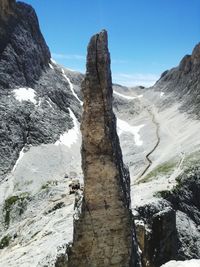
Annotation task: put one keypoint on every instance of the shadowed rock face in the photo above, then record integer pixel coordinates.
(23, 50)
(7, 19)
(103, 235)
(156, 233)
(6, 8)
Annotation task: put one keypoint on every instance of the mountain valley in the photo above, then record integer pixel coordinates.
(41, 105)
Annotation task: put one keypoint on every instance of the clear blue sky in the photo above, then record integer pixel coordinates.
(146, 37)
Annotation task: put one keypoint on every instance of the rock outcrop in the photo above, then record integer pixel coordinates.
(168, 229)
(156, 233)
(184, 199)
(103, 234)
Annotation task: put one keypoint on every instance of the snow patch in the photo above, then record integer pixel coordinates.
(53, 61)
(71, 87)
(70, 137)
(127, 97)
(188, 263)
(39, 102)
(162, 94)
(51, 66)
(21, 154)
(123, 126)
(25, 94)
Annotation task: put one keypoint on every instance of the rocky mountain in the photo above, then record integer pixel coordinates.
(40, 142)
(184, 81)
(27, 73)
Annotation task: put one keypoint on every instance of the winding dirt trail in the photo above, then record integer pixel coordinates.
(149, 161)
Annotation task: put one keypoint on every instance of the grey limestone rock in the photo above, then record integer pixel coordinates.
(104, 233)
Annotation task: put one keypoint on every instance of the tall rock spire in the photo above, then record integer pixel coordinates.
(103, 235)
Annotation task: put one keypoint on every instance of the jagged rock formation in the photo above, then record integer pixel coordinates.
(184, 199)
(168, 229)
(184, 81)
(103, 235)
(156, 233)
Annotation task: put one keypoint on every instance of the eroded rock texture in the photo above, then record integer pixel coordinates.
(103, 235)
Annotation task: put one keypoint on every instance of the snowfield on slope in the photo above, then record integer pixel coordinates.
(71, 136)
(123, 126)
(189, 263)
(126, 96)
(25, 94)
(71, 87)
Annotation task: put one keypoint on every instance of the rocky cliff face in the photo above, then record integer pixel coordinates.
(184, 82)
(103, 235)
(23, 51)
(157, 233)
(35, 93)
(184, 199)
(7, 15)
(6, 9)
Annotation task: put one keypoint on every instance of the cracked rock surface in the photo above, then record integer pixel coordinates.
(103, 235)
